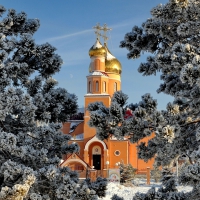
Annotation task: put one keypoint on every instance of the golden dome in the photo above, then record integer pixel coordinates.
(112, 64)
(97, 49)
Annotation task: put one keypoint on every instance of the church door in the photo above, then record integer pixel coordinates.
(97, 162)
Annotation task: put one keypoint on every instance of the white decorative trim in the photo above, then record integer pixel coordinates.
(102, 94)
(73, 160)
(114, 138)
(97, 73)
(94, 139)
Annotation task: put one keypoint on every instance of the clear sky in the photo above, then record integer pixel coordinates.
(67, 25)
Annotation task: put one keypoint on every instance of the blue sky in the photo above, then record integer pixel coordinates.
(67, 25)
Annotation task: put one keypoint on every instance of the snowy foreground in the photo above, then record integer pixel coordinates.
(128, 192)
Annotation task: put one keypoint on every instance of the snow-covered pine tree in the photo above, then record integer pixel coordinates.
(156, 174)
(92, 189)
(31, 112)
(172, 36)
(127, 173)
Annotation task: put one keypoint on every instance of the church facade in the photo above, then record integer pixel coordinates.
(103, 80)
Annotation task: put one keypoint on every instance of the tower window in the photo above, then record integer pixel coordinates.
(104, 86)
(90, 87)
(97, 85)
(115, 87)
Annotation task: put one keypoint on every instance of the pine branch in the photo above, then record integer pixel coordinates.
(4, 128)
(197, 121)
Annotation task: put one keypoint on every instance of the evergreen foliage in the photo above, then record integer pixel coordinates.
(127, 172)
(94, 189)
(31, 112)
(156, 174)
(172, 36)
(115, 197)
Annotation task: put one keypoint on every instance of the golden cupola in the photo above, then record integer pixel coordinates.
(97, 49)
(111, 63)
(105, 69)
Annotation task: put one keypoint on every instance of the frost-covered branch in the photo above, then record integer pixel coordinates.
(31, 111)
(172, 37)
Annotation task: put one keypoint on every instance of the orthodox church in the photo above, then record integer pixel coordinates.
(103, 80)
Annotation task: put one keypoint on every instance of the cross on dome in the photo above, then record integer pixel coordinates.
(103, 28)
(98, 29)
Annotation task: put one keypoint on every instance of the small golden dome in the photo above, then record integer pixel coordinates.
(112, 64)
(97, 49)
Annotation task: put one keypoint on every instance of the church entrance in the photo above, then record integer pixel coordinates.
(97, 162)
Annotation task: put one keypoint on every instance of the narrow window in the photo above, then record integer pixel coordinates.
(115, 87)
(97, 85)
(104, 86)
(89, 87)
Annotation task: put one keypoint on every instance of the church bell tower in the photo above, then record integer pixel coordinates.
(104, 77)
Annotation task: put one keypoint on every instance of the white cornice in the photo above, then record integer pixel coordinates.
(97, 95)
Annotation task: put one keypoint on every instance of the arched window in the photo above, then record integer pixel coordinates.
(89, 87)
(115, 86)
(104, 86)
(97, 85)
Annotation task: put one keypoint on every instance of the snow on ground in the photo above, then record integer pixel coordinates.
(128, 192)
